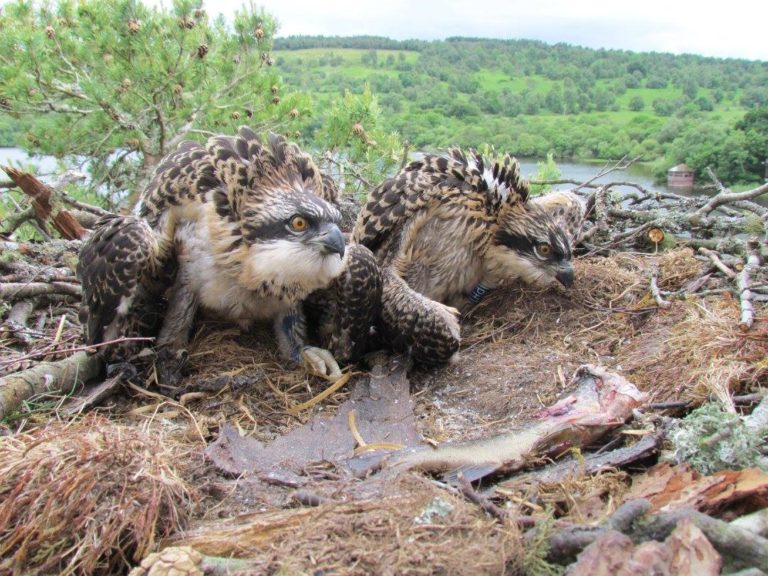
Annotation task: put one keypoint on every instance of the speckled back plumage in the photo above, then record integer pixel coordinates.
(460, 181)
(446, 226)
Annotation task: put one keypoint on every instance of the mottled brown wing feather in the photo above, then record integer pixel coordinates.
(341, 315)
(118, 257)
(457, 177)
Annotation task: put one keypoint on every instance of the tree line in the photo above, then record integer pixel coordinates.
(534, 98)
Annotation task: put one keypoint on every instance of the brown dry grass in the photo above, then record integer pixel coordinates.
(88, 497)
(695, 350)
(395, 533)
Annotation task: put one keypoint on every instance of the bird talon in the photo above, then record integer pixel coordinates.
(320, 362)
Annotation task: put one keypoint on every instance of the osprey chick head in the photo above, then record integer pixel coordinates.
(293, 239)
(278, 208)
(530, 243)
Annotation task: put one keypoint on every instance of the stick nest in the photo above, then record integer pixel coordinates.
(87, 498)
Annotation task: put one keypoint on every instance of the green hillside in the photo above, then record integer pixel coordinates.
(529, 97)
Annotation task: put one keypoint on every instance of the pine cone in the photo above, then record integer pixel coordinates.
(5, 104)
(294, 113)
(175, 560)
(134, 26)
(259, 33)
(235, 115)
(358, 129)
(275, 88)
(276, 100)
(50, 32)
(202, 51)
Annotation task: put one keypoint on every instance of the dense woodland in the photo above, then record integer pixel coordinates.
(533, 98)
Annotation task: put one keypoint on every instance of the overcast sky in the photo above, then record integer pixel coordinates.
(734, 28)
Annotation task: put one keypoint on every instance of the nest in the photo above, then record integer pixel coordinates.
(696, 351)
(95, 496)
(87, 498)
(414, 527)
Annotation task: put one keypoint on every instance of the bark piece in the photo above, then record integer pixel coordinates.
(384, 413)
(672, 487)
(46, 205)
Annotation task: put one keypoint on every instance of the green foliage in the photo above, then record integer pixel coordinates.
(536, 551)
(546, 170)
(736, 449)
(9, 127)
(754, 125)
(735, 152)
(525, 96)
(637, 104)
(122, 83)
(359, 150)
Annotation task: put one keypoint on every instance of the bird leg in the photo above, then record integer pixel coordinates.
(174, 335)
(291, 331)
(426, 328)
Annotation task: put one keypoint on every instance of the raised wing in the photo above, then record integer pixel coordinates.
(466, 180)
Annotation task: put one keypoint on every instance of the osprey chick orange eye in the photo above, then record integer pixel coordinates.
(299, 224)
(543, 250)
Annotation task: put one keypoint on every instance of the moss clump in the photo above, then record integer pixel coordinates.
(711, 439)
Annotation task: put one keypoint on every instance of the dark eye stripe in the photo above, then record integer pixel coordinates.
(514, 242)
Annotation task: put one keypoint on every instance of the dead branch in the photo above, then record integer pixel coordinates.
(484, 503)
(46, 204)
(743, 282)
(95, 210)
(714, 257)
(741, 546)
(744, 548)
(660, 302)
(86, 348)
(724, 196)
(18, 290)
(47, 377)
(757, 522)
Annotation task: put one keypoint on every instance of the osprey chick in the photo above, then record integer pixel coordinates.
(446, 229)
(238, 228)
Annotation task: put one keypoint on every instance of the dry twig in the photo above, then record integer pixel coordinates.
(714, 257)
